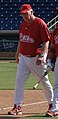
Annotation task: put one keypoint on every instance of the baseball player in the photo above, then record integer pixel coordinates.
(33, 31)
(54, 49)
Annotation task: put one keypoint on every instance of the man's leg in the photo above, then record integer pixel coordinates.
(23, 73)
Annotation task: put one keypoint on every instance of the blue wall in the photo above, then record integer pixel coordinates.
(10, 17)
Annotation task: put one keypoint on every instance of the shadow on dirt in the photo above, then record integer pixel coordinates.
(4, 117)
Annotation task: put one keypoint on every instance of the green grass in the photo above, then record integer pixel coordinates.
(42, 116)
(39, 116)
(8, 77)
(7, 82)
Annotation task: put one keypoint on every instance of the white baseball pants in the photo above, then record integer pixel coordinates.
(26, 66)
(55, 100)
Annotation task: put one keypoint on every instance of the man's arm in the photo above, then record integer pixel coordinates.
(51, 57)
(17, 53)
(51, 51)
(45, 46)
(43, 54)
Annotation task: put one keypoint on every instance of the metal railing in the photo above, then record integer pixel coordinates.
(52, 24)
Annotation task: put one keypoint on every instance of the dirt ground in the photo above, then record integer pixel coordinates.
(34, 103)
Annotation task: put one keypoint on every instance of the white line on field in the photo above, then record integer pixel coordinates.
(36, 103)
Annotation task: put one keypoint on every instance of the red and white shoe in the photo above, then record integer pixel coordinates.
(51, 114)
(15, 111)
(50, 106)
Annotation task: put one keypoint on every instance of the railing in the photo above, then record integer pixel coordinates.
(52, 24)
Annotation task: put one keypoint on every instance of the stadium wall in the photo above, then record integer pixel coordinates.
(8, 44)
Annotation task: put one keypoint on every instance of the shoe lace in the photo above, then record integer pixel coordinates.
(16, 108)
(19, 107)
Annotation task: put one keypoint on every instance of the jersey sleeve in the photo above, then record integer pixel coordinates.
(44, 32)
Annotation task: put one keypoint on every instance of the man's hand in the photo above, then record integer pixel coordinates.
(18, 54)
(17, 59)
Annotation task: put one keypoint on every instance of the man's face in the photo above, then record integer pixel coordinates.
(26, 16)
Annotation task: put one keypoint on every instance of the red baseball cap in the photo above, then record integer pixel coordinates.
(25, 8)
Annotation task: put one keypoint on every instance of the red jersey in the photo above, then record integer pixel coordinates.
(31, 35)
(54, 39)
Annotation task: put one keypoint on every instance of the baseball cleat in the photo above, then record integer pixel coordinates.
(50, 106)
(51, 114)
(15, 111)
